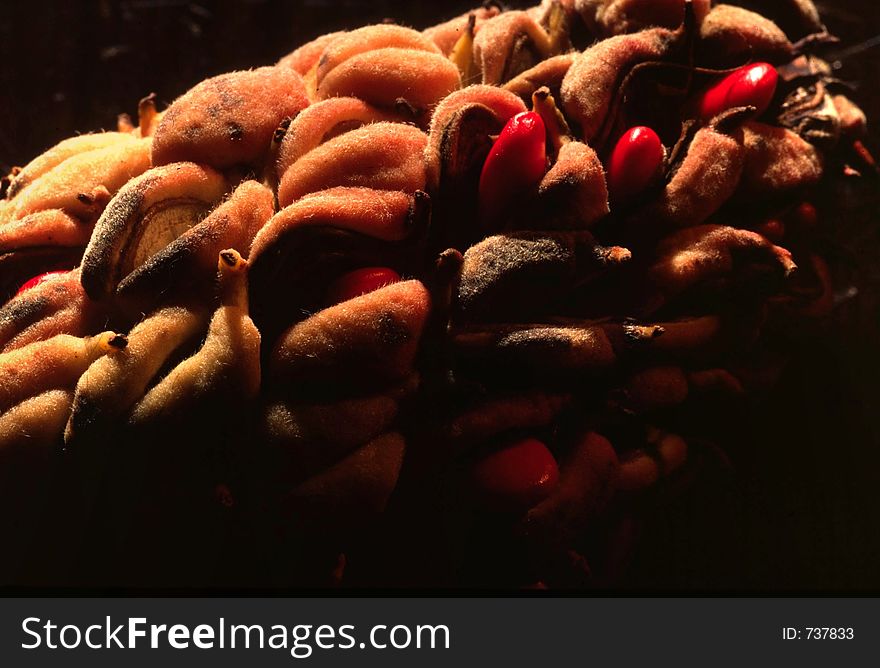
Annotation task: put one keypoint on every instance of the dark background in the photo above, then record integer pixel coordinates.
(799, 509)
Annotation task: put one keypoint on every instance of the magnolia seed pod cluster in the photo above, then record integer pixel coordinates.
(457, 292)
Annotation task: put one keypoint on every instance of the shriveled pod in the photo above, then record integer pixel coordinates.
(63, 150)
(307, 437)
(594, 79)
(643, 468)
(807, 106)
(384, 156)
(574, 189)
(367, 342)
(384, 64)
(55, 306)
(707, 177)
(225, 371)
(617, 17)
(82, 184)
(344, 498)
(56, 363)
(549, 72)
(39, 242)
(853, 122)
(307, 245)
(112, 385)
(445, 35)
(777, 161)
(188, 262)
(798, 18)
(508, 276)
(322, 121)
(229, 120)
(537, 353)
(705, 255)
(514, 42)
(587, 483)
(144, 217)
(731, 36)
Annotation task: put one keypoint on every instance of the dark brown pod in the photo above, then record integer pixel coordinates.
(732, 36)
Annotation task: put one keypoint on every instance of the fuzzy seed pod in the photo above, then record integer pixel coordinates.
(731, 36)
(618, 17)
(445, 35)
(777, 161)
(229, 120)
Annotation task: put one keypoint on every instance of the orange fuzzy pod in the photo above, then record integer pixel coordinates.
(304, 58)
(593, 79)
(322, 121)
(706, 179)
(731, 36)
(229, 119)
(777, 160)
(574, 188)
(385, 156)
(368, 341)
(386, 76)
(549, 73)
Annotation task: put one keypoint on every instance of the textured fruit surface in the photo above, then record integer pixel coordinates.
(360, 282)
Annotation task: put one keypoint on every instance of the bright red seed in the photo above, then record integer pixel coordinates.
(806, 215)
(515, 165)
(40, 279)
(360, 282)
(635, 163)
(749, 86)
(516, 477)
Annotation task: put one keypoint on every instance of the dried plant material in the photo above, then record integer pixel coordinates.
(549, 73)
(777, 161)
(853, 122)
(63, 150)
(798, 18)
(322, 121)
(618, 17)
(446, 34)
(731, 36)
(384, 156)
(229, 120)
(514, 42)
(227, 366)
(49, 227)
(83, 183)
(708, 252)
(509, 275)
(371, 340)
(594, 79)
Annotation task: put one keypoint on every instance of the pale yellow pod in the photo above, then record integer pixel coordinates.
(63, 150)
(114, 383)
(30, 430)
(83, 180)
(49, 227)
(226, 367)
(55, 363)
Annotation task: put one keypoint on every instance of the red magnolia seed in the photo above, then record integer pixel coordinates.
(515, 165)
(636, 162)
(360, 282)
(517, 476)
(40, 279)
(749, 86)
